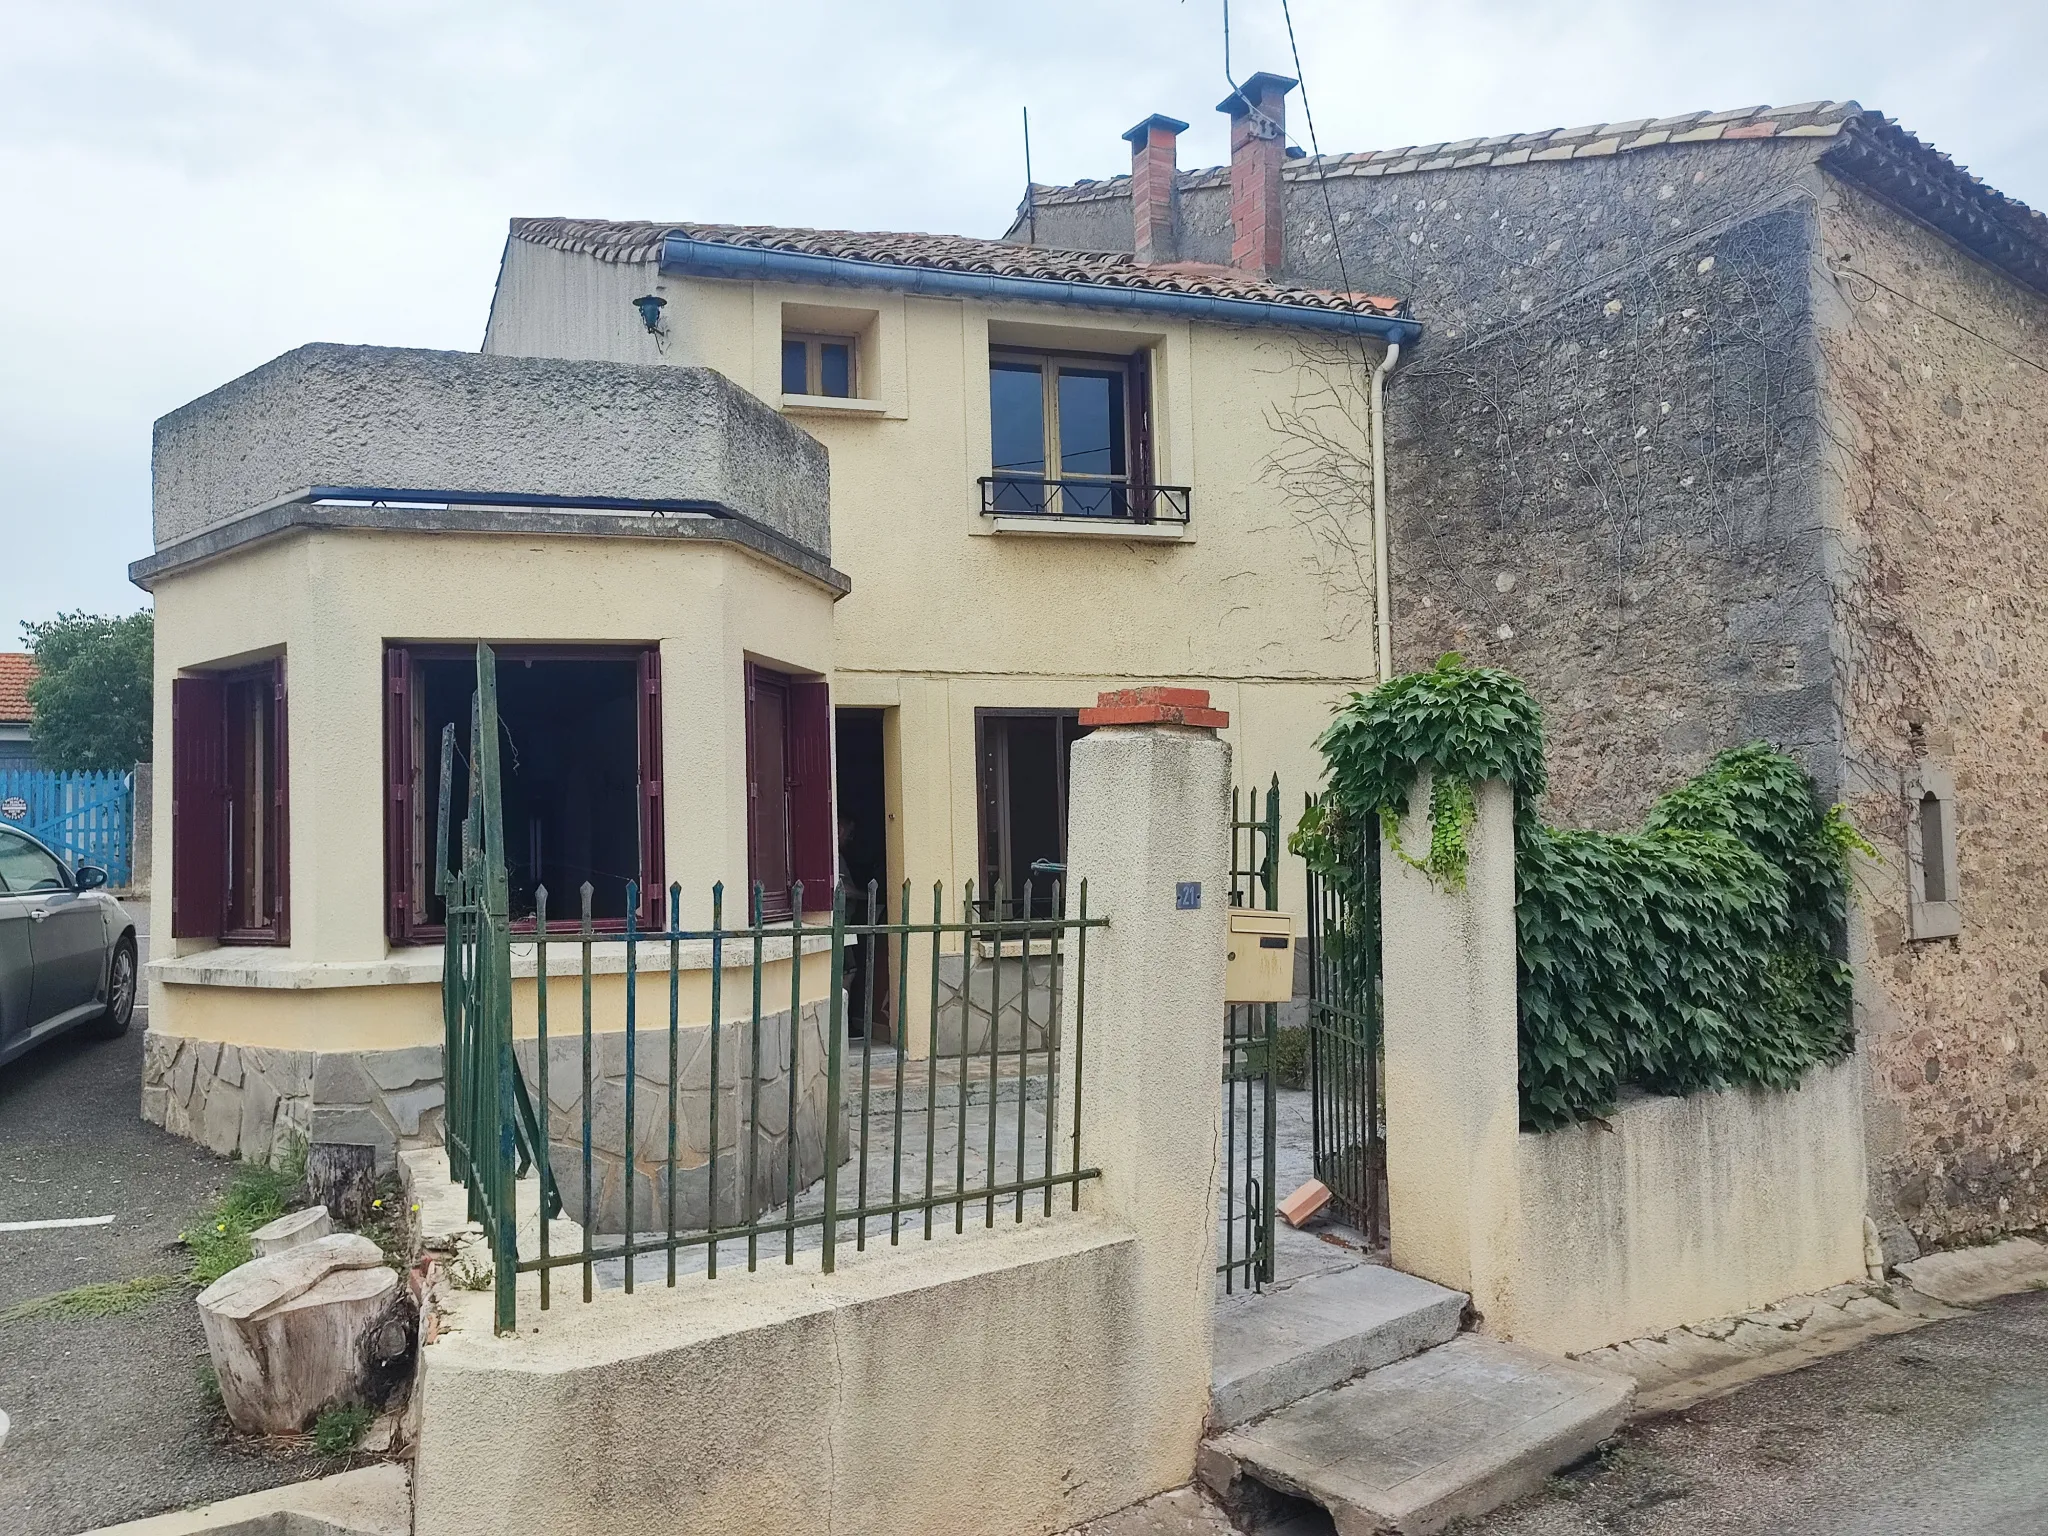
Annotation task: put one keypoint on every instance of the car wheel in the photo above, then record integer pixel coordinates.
(121, 984)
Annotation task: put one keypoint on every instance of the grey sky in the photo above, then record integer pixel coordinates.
(187, 189)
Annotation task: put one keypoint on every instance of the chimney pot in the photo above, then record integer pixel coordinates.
(1258, 148)
(1153, 195)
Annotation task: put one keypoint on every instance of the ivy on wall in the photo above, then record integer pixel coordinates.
(1696, 952)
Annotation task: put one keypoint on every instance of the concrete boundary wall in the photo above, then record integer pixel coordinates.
(977, 1383)
(1003, 1382)
(1666, 1212)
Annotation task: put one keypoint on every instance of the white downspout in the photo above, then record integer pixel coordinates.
(1382, 602)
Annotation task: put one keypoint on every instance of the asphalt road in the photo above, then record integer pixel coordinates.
(1941, 1432)
(109, 1422)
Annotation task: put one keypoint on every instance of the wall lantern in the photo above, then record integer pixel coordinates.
(650, 306)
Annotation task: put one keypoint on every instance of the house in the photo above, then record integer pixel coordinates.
(1735, 425)
(17, 671)
(644, 549)
(1052, 475)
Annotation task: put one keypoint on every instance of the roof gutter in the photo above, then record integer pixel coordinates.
(682, 256)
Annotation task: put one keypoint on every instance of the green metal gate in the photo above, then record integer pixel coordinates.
(490, 1130)
(1250, 1044)
(1344, 1032)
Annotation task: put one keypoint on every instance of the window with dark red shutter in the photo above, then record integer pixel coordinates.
(580, 759)
(790, 839)
(198, 808)
(230, 806)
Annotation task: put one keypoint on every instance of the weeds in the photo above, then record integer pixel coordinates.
(391, 1223)
(259, 1194)
(107, 1299)
(338, 1430)
(209, 1387)
(468, 1275)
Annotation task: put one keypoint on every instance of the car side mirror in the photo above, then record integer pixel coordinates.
(90, 877)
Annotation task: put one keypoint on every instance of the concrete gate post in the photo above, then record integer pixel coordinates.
(1448, 968)
(1148, 818)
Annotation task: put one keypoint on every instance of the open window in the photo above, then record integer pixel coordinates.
(230, 806)
(580, 755)
(1070, 435)
(1933, 909)
(790, 839)
(1022, 762)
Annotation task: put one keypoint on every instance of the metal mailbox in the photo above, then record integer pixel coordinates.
(1260, 966)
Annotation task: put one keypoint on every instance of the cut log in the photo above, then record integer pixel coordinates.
(326, 1322)
(293, 1231)
(342, 1177)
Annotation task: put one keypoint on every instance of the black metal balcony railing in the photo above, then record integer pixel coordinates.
(1100, 500)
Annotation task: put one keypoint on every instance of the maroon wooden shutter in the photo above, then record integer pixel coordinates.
(653, 879)
(814, 849)
(199, 843)
(1139, 457)
(398, 794)
(281, 808)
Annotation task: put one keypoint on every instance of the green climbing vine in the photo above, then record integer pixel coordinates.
(1695, 952)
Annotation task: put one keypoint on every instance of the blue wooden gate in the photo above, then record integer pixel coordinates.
(84, 816)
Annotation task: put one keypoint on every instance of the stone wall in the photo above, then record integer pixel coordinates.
(742, 1085)
(1602, 457)
(253, 1101)
(1020, 991)
(1937, 379)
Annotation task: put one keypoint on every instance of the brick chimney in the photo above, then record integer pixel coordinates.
(1258, 146)
(1153, 199)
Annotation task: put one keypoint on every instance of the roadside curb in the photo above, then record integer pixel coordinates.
(369, 1501)
(1965, 1277)
(1683, 1367)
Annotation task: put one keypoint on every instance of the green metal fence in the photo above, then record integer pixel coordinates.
(798, 1138)
(1250, 1046)
(1345, 1038)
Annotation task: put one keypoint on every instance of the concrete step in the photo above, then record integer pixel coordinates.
(1276, 1347)
(1445, 1435)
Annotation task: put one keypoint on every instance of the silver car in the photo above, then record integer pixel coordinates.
(67, 949)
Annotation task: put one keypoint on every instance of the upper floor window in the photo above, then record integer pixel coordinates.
(819, 365)
(1071, 436)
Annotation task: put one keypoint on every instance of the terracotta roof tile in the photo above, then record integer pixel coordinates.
(641, 241)
(17, 671)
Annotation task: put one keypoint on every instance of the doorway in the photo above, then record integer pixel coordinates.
(864, 868)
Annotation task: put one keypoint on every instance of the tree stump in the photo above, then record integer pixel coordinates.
(293, 1231)
(342, 1177)
(290, 1334)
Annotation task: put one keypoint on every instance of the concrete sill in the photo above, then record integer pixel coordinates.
(1092, 528)
(274, 969)
(834, 405)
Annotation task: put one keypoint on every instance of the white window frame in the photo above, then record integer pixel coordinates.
(814, 368)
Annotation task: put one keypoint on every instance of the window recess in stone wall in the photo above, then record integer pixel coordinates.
(1933, 906)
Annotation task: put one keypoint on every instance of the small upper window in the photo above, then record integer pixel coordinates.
(818, 365)
(1933, 909)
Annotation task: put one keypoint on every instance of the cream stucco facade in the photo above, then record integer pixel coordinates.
(952, 612)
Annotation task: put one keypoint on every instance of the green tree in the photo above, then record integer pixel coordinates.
(91, 695)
